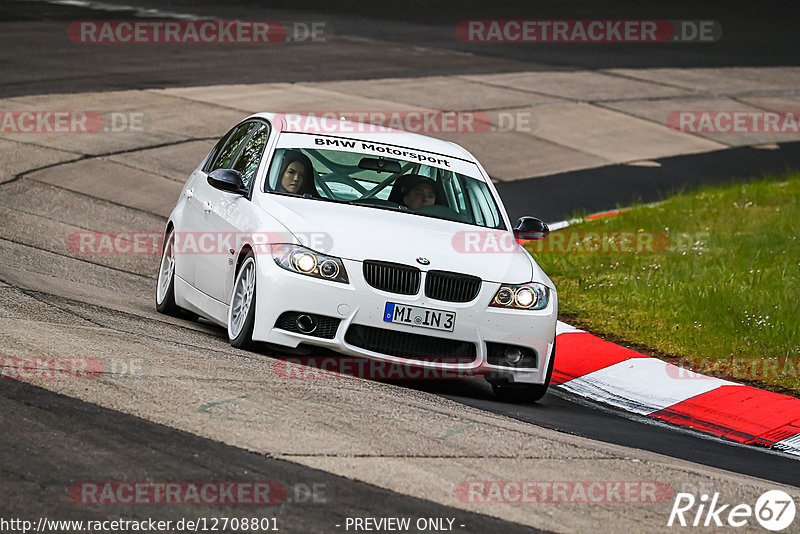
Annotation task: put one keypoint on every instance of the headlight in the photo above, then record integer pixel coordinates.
(530, 296)
(303, 260)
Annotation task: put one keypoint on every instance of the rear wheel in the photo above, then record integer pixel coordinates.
(242, 311)
(165, 287)
(526, 392)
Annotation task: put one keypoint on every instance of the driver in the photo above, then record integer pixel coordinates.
(296, 174)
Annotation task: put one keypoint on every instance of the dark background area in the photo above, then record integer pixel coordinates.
(370, 40)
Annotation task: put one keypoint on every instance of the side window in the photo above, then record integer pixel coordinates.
(213, 154)
(483, 206)
(224, 158)
(247, 163)
(454, 192)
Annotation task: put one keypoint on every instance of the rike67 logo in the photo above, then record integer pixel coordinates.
(774, 510)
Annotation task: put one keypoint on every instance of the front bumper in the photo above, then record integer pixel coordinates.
(358, 303)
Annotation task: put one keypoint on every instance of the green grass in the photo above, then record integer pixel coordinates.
(723, 297)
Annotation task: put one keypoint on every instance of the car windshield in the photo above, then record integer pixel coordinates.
(383, 183)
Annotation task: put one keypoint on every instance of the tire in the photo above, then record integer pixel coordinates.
(165, 285)
(526, 393)
(242, 310)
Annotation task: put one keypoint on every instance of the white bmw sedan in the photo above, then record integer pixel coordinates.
(372, 242)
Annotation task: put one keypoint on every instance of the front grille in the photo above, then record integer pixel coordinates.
(452, 287)
(410, 346)
(392, 277)
(326, 326)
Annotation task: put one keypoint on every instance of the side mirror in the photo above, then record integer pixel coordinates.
(531, 228)
(227, 180)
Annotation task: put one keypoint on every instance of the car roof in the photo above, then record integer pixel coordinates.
(350, 130)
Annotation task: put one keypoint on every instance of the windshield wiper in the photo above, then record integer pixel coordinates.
(369, 204)
(308, 196)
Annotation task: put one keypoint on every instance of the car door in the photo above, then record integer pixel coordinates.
(227, 216)
(190, 217)
(200, 230)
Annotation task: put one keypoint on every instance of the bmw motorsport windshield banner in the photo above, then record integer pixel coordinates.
(378, 149)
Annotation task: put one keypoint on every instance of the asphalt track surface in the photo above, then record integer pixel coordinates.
(93, 443)
(568, 194)
(37, 58)
(573, 415)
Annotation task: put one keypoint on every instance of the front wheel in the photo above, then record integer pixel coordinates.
(526, 392)
(165, 286)
(242, 311)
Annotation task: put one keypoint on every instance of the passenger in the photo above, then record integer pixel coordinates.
(419, 196)
(296, 175)
(414, 192)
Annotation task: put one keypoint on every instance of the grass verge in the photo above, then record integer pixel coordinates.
(709, 278)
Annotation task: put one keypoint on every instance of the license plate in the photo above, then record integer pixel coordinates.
(417, 316)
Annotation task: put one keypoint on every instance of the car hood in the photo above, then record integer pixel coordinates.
(360, 233)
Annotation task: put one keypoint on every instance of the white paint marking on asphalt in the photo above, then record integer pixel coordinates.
(558, 225)
(643, 385)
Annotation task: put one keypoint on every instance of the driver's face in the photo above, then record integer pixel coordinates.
(420, 196)
(293, 177)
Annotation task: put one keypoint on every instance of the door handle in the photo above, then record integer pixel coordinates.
(207, 207)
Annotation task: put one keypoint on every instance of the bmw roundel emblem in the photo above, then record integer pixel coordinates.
(423, 261)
